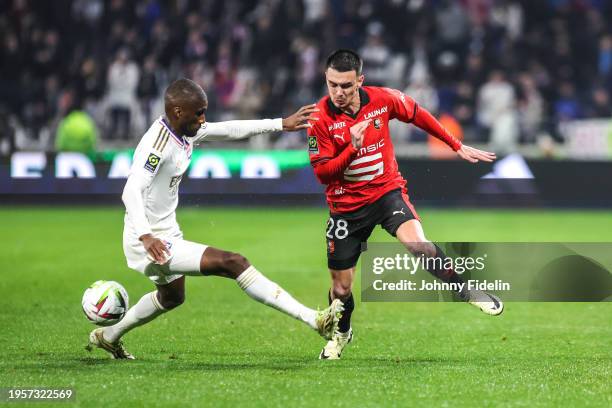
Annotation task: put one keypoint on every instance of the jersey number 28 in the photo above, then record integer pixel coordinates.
(341, 231)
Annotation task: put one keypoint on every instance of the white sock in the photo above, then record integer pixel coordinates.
(147, 309)
(269, 293)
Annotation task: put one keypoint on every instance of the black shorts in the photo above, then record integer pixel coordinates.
(346, 232)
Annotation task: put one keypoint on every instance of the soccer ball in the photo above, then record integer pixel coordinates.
(105, 302)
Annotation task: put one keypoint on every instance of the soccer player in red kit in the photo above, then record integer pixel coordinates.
(352, 154)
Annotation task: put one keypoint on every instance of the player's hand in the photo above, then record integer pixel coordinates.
(475, 155)
(358, 133)
(299, 120)
(156, 248)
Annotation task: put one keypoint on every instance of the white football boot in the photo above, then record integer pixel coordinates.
(116, 350)
(488, 303)
(333, 348)
(327, 319)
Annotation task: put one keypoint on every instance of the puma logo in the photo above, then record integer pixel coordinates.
(399, 212)
(341, 137)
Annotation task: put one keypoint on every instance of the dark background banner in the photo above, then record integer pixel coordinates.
(438, 183)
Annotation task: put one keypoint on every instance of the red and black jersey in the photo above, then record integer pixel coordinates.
(355, 177)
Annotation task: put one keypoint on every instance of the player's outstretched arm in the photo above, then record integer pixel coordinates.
(241, 129)
(426, 121)
(475, 155)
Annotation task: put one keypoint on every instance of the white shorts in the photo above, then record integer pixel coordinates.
(184, 259)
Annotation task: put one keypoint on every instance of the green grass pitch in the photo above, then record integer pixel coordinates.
(222, 349)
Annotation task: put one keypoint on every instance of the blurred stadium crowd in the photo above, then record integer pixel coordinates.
(498, 72)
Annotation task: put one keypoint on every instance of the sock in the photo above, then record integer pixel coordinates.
(344, 324)
(446, 275)
(147, 309)
(263, 290)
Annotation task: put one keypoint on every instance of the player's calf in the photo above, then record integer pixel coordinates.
(421, 249)
(344, 324)
(424, 248)
(172, 295)
(342, 286)
(173, 301)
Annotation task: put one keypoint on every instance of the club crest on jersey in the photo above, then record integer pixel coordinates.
(152, 162)
(313, 146)
(377, 123)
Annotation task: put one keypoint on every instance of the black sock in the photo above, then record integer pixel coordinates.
(444, 274)
(345, 321)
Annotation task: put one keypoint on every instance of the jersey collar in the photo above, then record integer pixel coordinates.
(180, 140)
(364, 99)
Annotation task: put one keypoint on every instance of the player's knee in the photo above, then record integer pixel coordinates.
(235, 263)
(341, 289)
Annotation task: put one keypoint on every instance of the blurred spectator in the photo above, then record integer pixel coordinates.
(531, 108)
(260, 57)
(224, 74)
(452, 25)
(567, 106)
(307, 73)
(314, 12)
(76, 133)
(463, 108)
(508, 15)
(123, 75)
(474, 70)
(604, 59)
(148, 87)
(89, 82)
(248, 96)
(376, 55)
(599, 104)
(7, 133)
(196, 47)
(89, 11)
(497, 112)
(421, 90)
(419, 78)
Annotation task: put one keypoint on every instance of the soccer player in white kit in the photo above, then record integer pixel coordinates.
(152, 240)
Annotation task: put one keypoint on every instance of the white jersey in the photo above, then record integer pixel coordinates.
(160, 160)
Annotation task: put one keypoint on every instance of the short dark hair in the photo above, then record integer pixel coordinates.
(183, 90)
(344, 60)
